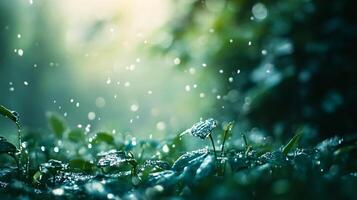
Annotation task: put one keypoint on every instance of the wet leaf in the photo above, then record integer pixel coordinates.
(12, 115)
(114, 158)
(76, 135)
(202, 129)
(276, 158)
(189, 158)
(7, 147)
(206, 168)
(166, 178)
(103, 137)
(81, 165)
(57, 124)
(53, 166)
(159, 164)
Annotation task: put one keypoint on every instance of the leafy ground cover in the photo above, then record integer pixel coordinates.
(71, 163)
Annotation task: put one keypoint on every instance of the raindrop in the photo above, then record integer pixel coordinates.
(202, 95)
(160, 126)
(204, 65)
(192, 70)
(249, 43)
(18, 35)
(231, 41)
(56, 149)
(149, 92)
(187, 88)
(134, 107)
(221, 71)
(264, 52)
(43, 148)
(238, 71)
(165, 148)
(110, 196)
(177, 61)
(20, 52)
(108, 81)
(77, 104)
(230, 79)
(127, 84)
(91, 115)
(26, 83)
(58, 191)
(259, 11)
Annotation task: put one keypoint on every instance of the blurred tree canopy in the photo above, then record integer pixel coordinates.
(293, 62)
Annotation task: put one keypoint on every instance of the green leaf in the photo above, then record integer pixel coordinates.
(82, 165)
(226, 132)
(6, 147)
(12, 115)
(292, 143)
(76, 135)
(189, 158)
(57, 124)
(206, 168)
(37, 177)
(103, 137)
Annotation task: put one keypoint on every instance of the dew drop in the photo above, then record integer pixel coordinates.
(91, 115)
(177, 61)
(165, 148)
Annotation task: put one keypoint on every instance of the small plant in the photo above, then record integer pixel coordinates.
(20, 155)
(203, 129)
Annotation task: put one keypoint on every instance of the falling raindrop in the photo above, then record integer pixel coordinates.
(26, 83)
(187, 88)
(91, 115)
(127, 84)
(134, 107)
(259, 11)
(160, 125)
(108, 81)
(20, 52)
(165, 148)
(177, 61)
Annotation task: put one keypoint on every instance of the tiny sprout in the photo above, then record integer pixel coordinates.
(203, 129)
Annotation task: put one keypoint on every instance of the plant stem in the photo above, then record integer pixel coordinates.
(214, 147)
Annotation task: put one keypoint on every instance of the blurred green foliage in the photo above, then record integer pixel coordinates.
(283, 71)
